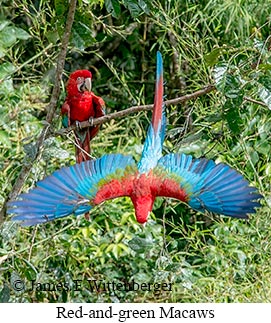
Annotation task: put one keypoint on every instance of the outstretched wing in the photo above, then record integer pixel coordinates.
(73, 189)
(152, 149)
(208, 186)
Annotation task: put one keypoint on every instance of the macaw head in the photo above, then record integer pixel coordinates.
(79, 82)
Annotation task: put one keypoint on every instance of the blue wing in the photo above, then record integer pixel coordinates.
(68, 190)
(209, 186)
(152, 149)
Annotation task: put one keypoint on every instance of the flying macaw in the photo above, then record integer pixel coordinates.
(200, 183)
(81, 105)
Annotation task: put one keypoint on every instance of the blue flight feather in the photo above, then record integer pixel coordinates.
(212, 187)
(68, 190)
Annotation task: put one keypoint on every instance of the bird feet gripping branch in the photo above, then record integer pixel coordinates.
(78, 125)
(90, 120)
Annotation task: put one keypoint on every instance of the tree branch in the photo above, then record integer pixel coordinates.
(134, 109)
(51, 108)
(255, 101)
(138, 108)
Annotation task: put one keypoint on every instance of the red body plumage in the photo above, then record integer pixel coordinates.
(142, 189)
(80, 105)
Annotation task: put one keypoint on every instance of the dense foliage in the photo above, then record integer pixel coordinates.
(206, 258)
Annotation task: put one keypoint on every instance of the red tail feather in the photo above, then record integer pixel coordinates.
(82, 149)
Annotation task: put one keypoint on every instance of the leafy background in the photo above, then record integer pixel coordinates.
(207, 258)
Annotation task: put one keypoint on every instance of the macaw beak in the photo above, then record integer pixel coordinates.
(88, 84)
(85, 86)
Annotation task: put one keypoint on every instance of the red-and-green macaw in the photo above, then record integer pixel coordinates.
(81, 105)
(200, 183)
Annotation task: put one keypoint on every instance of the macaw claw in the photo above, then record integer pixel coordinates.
(78, 125)
(90, 120)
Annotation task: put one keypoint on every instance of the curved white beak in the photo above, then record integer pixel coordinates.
(85, 85)
(88, 84)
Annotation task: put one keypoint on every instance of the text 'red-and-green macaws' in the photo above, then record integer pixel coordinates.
(200, 183)
(81, 105)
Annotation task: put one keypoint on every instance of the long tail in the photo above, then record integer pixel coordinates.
(157, 122)
(82, 145)
(152, 150)
(209, 186)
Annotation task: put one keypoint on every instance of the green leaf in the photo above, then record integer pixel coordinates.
(61, 7)
(3, 24)
(78, 40)
(6, 69)
(139, 245)
(268, 169)
(52, 149)
(116, 251)
(6, 86)
(113, 7)
(212, 58)
(52, 36)
(2, 51)
(264, 89)
(9, 230)
(4, 139)
(227, 83)
(30, 271)
(220, 73)
(30, 150)
(8, 37)
(144, 6)
(263, 147)
(133, 7)
(265, 80)
(261, 46)
(5, 294)
(232, 116)
(265, 95)
(265, 67)
(254, 156)
(21, 33)
(82, 35)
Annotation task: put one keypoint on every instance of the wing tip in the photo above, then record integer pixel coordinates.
(23, 221)
(210, 186)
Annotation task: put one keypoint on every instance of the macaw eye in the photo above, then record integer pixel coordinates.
(79, 80)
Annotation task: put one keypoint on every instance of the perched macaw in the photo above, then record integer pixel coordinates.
(200, 183)
(81, 105)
